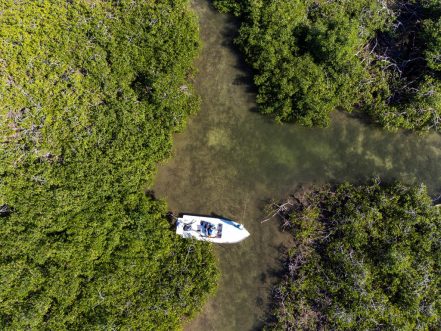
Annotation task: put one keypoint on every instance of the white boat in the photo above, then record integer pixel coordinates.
(212, 229)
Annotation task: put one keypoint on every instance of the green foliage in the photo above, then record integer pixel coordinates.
(364, 258)
(91, 92)
(233, 7)
(432, 34)
(313, 57)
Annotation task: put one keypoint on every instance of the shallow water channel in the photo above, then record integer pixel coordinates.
(230, 161)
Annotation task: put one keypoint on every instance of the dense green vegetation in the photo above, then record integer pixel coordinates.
(364, 258)
(90, 93)
(312, 57)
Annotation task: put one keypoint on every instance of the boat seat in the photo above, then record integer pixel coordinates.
(219, 230)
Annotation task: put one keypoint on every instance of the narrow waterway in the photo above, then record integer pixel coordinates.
(231, 160)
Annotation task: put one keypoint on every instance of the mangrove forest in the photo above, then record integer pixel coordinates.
(91, 92)
(364, 258)
(95, 96)
(380, 58)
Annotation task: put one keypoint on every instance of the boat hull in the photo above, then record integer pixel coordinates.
(211, 229)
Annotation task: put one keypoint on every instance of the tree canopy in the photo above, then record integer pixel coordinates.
(363, 258)
(90, 94)
(313, 57)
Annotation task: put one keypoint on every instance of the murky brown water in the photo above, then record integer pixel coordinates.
(230, 160)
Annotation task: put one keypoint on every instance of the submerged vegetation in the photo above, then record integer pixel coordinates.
(313, 57)
(364, 258)
(90, 93)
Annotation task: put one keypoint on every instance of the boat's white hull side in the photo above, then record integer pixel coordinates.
(189, 226)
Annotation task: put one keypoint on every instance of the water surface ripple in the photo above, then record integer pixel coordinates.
(231, 160)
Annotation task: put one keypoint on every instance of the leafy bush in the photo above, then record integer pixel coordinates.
(364, 258)
(313, 57)
(91, 92)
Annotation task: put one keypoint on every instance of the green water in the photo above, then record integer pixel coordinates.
(230, 161)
